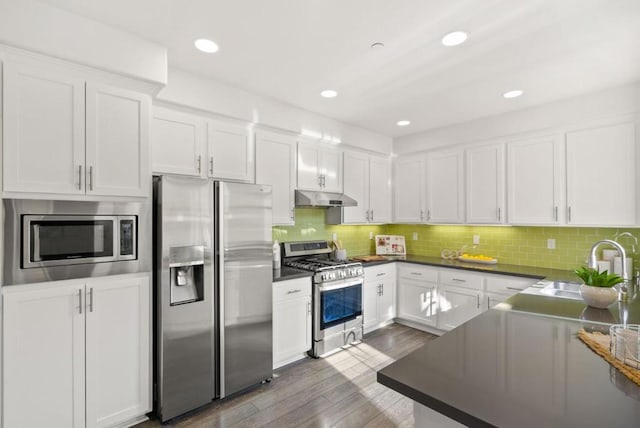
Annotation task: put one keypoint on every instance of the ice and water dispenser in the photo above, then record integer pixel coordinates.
(186, 269)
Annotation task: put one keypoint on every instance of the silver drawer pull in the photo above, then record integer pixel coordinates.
(515, 288)
(380, 274)
(80, 301)
(458, 280)
(416, 273)
(293, 291)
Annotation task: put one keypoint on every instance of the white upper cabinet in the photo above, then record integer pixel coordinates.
(179, 142)
(54, 144)
(276, 166)
(190, 144)
(485, 184)
(230, 154)
(534, 181)
(409, 190)
(445, 187)
(117, 141)
(601, 176)
(319, 168)
(367, 180)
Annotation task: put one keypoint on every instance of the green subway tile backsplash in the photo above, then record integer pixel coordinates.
(509, 244)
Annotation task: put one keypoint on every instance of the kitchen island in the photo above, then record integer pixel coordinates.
(511, 367)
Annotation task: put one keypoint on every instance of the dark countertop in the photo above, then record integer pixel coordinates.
(286, 273)
(511, 368)
(500, 268)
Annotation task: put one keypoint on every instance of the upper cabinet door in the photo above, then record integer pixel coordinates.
(445, 202)
(409, 190)
(331, 170)
(117, 142)
(485, 185)
(276, 166)
(44, 127)
(178, 143)
(319, 168)
(379, 190)
(534, 181)
(231, 154)
(601, 176)
(356, 185)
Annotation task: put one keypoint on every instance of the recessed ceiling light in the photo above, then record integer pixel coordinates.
(403, 123)
(377, 45)
(454, 38)
(513, 94)
(206, 45)
(329, 93)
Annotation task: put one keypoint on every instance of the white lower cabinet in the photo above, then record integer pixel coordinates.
(291, 320)
(76, 353)
(441, 299)
(379, 296)
(417, 287)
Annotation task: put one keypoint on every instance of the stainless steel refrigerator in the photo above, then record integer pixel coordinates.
(212, 290)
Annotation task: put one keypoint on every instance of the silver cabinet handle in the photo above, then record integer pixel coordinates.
(458, 280)
(211, 164)
(380, 274)
(569, 214)
(324, 180)
(293, 213)
(80, 300)
(79, 177)
(91, 299)
(199, 163)
(477, 300)
(371, 215)
(428, 215)
(367, 215)
(416, 273)
(515, 288)
(320, 180)
(91, 177)
(382, 289)
(555, 214)
(293, 291)
(308, 308)
(498, 213)
(421, 215)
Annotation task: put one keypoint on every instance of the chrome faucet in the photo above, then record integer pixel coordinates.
(593, 263)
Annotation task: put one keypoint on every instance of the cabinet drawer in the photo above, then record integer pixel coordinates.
(379, 273)
(292, 289)
(414, 271)
(460, 278)
(507, 284)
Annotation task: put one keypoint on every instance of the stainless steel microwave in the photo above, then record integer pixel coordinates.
(56, 240)
(59, 240)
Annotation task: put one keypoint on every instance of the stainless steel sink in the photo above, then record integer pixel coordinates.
(567, 290)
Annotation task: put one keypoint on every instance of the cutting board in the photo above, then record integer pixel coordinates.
(368, 258)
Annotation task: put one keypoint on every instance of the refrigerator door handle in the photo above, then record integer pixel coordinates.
(220, 269)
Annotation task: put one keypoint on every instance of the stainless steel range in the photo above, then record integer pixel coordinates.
(337, 295)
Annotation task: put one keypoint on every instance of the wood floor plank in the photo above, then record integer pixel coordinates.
(339, 390)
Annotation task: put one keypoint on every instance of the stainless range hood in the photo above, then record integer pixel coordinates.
(310, 198)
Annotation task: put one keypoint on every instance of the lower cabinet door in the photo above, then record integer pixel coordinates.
(370, 296)
(43, 347)
(118, 349)
(457, 306)
(291, 329)
(387, 301)
(416, 302)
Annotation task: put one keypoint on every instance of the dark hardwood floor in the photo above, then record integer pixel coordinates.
(336, 391)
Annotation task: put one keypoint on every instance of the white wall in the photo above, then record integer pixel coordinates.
(187, 89)
(563, 114)
(41, 28)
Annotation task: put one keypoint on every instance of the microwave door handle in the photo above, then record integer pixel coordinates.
(36, 243)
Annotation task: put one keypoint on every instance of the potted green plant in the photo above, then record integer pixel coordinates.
(598, 289)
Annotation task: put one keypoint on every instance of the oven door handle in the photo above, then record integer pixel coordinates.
(333, 285)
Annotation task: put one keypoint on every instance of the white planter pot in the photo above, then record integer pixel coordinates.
(598, 297)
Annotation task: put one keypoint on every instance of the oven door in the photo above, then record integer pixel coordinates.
(336, 302)
(54, 240)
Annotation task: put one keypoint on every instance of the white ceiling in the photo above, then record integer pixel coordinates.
(291, 50)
